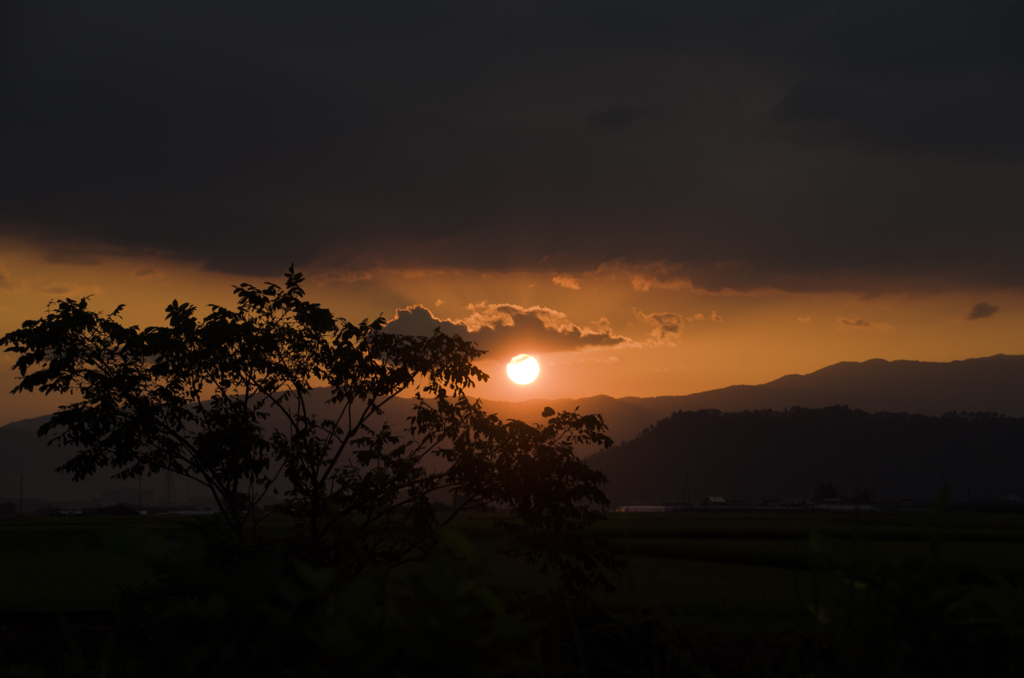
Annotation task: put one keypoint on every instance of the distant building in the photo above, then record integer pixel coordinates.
(642, 509)
(715, 502)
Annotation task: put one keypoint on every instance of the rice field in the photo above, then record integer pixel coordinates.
(759, 566)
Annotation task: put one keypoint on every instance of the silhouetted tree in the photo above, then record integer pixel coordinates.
(195, 397)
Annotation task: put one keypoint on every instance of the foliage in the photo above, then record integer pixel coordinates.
(236, 401)
(272, 615)
(915, 616)
(710, 594)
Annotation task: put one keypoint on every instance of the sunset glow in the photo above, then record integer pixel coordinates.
(270, 262)
(523, 369)
(643, 246)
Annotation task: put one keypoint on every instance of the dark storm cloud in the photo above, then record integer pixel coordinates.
(942, 78)
(617, 116)
(506, 329)
(965, 115)
(800, 145)
(982, 310)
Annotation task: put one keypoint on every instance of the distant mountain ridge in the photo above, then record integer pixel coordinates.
(992, 384)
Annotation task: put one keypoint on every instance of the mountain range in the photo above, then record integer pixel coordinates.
(992, 384)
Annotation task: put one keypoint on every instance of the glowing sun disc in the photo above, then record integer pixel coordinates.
(523, 369)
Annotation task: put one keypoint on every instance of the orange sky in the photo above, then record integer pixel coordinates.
(743, 338)
(655, 198)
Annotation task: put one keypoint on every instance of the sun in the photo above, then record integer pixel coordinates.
(523, 369)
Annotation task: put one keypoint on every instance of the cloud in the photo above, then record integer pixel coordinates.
(74, 250)
(927, 115)
(566, 281)
(728, 277)
(700, 317)
(507, 329)
(70, 290)
(935, 79)
(982, 310)
(329, 275)
(893, 123)
(803, 321)
(861, 324)
(5, 282)
(667, 326)
(645, 276)
(617, 117)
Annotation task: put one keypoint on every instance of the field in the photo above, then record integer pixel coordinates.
(723, 580)
(700, 563)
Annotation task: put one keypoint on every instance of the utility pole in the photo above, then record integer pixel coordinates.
(21, 498)
(687, 486)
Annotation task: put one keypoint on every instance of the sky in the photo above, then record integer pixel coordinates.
(651, 198)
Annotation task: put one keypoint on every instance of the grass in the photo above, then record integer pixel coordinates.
(701, 563)
(72, 564)
(731, 591)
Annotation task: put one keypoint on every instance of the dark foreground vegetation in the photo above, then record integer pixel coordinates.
(723, 594)
(279, 401)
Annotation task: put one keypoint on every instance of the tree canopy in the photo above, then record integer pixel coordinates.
(229, 400)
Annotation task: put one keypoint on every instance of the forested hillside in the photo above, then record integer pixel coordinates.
(766, 454)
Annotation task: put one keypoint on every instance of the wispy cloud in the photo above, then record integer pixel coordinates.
(645, 277)
(861, 324)
(70, 290)
(566, 281)
(982, 310)
(667, 326)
